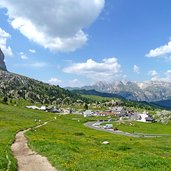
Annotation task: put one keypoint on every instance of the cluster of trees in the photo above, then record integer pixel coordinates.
(163, 116)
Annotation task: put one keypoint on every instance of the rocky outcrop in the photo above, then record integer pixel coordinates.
(16, 87)
(2, 63)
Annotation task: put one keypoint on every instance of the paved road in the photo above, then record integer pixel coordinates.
(118, 132)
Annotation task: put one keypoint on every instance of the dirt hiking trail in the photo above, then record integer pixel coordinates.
(27, 159)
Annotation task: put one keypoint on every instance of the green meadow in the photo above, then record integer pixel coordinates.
(69, 145)
(13, 119)
(145, 128)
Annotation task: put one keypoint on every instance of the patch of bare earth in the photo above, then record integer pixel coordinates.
(27, 159)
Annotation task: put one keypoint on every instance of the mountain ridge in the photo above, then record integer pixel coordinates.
(146, 91)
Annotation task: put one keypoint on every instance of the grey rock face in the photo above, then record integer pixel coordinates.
(2, 63)
(147, 91)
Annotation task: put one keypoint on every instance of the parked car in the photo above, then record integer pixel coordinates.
(108, 126)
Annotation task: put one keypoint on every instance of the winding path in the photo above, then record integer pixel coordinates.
(27, 159)
(118, 132)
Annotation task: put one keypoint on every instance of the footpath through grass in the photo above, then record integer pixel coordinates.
(13, 119)
(69, 145)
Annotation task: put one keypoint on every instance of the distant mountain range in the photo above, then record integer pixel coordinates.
(149, 91)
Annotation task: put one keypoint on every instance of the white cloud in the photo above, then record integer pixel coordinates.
(4, 36)
(57, 24)
(152, 73)
(32, 50)
(156, 77)
(162, 51)
(23, 56)
(136, 69)
(107, 70)
(54, 81)
(167, 75)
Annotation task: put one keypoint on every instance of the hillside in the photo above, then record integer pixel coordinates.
(16, 87)
(108, 99)
(96, 93)
(164, 103)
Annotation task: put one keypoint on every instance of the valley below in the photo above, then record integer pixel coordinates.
(69, 145)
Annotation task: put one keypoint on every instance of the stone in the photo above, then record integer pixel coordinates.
(2, 63)
(105, 142)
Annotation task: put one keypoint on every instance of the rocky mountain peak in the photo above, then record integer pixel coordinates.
(2, 63)
(146, 91)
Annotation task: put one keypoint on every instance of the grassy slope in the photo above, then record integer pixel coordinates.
(69, 145)
(97, 98)
(13, 119)
(146, 128)
(140, 105)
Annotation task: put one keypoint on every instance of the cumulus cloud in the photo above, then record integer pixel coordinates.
(162, 51)
(23, 56)
(136, 69)
(32, 50)
(156, 77)
(106, 70)
(54, 81)
(168, 75)
(56, 24)
(4, 36)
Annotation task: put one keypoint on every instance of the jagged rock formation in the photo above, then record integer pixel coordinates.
(2, 63)
(147, 91)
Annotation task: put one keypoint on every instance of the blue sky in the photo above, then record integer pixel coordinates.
(76, 43)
